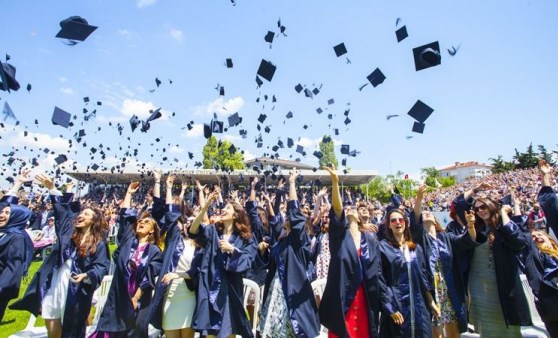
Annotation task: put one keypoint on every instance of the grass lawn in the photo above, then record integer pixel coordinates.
(15, 321)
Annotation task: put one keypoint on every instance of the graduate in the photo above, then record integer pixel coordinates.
(174, 302)
(289, 308)
(229, 249)
(62, 289)
(350, 305)
(16, 247)
(138, 261)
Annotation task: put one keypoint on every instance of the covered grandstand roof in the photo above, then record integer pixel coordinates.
(355, 177)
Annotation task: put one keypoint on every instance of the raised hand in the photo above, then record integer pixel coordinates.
(332, 174)
(45, 181)
(157, 175)
(133, 187)
(293, 175)
(544, 167)
(199, 186)
(170, 181)
(470, 217)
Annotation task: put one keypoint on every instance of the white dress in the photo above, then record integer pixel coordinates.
(180, 302)
(54, 302)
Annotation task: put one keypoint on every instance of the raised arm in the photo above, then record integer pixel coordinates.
(418, 202)
(183, 190)
(127, 201)
(168, 194)
(253, 188)
(194, 228)
(157, 186)
(201, 195)
(545, 170)
(336, 203)
(11, 195)
(473, 192)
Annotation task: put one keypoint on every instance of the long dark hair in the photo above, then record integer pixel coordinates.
(494, 220)
(241, 222)
(96, 234)
(406, 233)
(154, 238)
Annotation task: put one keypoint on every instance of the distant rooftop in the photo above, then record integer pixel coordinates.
(279, 162)
(465, 165)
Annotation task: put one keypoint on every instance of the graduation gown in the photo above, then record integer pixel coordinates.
(220, 283)
(78, 302)
(347, 272)
(118, 314)
(289, 257)
(171, 255)
(549, 203)
(16, 252)
(397, 295)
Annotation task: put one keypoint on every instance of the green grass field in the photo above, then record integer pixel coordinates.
(15, 321)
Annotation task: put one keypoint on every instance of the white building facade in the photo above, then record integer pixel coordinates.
(464, 170)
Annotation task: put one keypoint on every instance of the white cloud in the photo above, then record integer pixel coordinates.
(176, 150)
(220, 106)
(309, 143)
(248, 155)
(62, 79)
(67, 91)
(231, 138)
(176, 34)
(126, 34)
(197, 131)
(16, 138)
(145, 3)
(140, 108)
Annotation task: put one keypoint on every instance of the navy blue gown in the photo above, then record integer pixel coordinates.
(118, 314)
(96, 265)
(397, 295)
(219, 301)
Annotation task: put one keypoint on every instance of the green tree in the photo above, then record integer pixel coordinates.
(328, 152)
(431, 176)
(526, 160)
(377, 189)
(545, 155)
(221, 154)
(499, 165)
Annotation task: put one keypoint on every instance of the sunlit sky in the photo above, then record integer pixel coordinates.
(499, 92)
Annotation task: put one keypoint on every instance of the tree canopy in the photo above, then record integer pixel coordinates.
(221, 155)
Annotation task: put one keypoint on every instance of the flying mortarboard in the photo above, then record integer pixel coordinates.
(298, 88)
(217, 126)
(60, 159)
(376, 77)
(340, 49)
(262, 118)
(7, 112)
(234, 120)
(269, 36)
(427, 56)
(7, 76)
(61, 117)
(345, 149)
(229, 63)
(420, 111)
(266, 70)
(289, 115)
(418, 127)
(134, 122)
(401, 33)
(75, 28)
(290, 142)
(206, 130)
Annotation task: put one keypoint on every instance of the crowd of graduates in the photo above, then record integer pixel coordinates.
(390, 270)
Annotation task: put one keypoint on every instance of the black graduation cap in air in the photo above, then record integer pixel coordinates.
(401, 33)
(289, 115)
(7, 112)
(262, 118)
(229, 63)
(376, 77)
(217, 126)
(420, 111)
(234, 120)
(75, 28)
(206, 130)
(86, 99)
(155, 114)
(318, 154)
(61, 158)
(340, 49)
(61, 117)
(7, 77)
(345, 149)
(29, 87)
(418, 127)
(298, 88)
(94, 166)
(427, 56)
(266, 70)
(269, 36)
(290, 142)
(134, 122)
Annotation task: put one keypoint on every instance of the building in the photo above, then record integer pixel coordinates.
(463, 170)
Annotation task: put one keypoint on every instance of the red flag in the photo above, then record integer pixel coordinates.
(406, 176)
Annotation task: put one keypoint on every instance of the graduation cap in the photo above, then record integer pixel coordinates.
(234, 120)
(262, 118)
(345, 149)
(29, 87)
(420, 111)
(298, 88)
(75, 28)
(318, 154)
(330, 101)
(8, 112)
(243, 133)
(401, 33)
(319, 110)
(289, 115)
(269, 36)
(340, 49)
(61, 117)
(217, 126)
(155, 114)
(207, 130)
(418, 127)
(326, 139)
(94, 166)
(376, 77)
(290, 142)
(86, 99)
(229, 63)
(266, 70)
(336, 131)
(347, 121)
(300, 149)
(134, 122)
(308, 93)
(7, 77)
(427, 56)
(344, 162)
(60, 159)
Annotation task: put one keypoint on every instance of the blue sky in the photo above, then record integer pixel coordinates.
(499, 92)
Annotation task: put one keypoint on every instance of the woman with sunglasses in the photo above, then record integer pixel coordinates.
(407, 302)
(350, 305)
(441, 249)
(62, 289)
(138, 262)
(498, 304)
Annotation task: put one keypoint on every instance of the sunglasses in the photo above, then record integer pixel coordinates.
(397, 220)
(480, 208)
